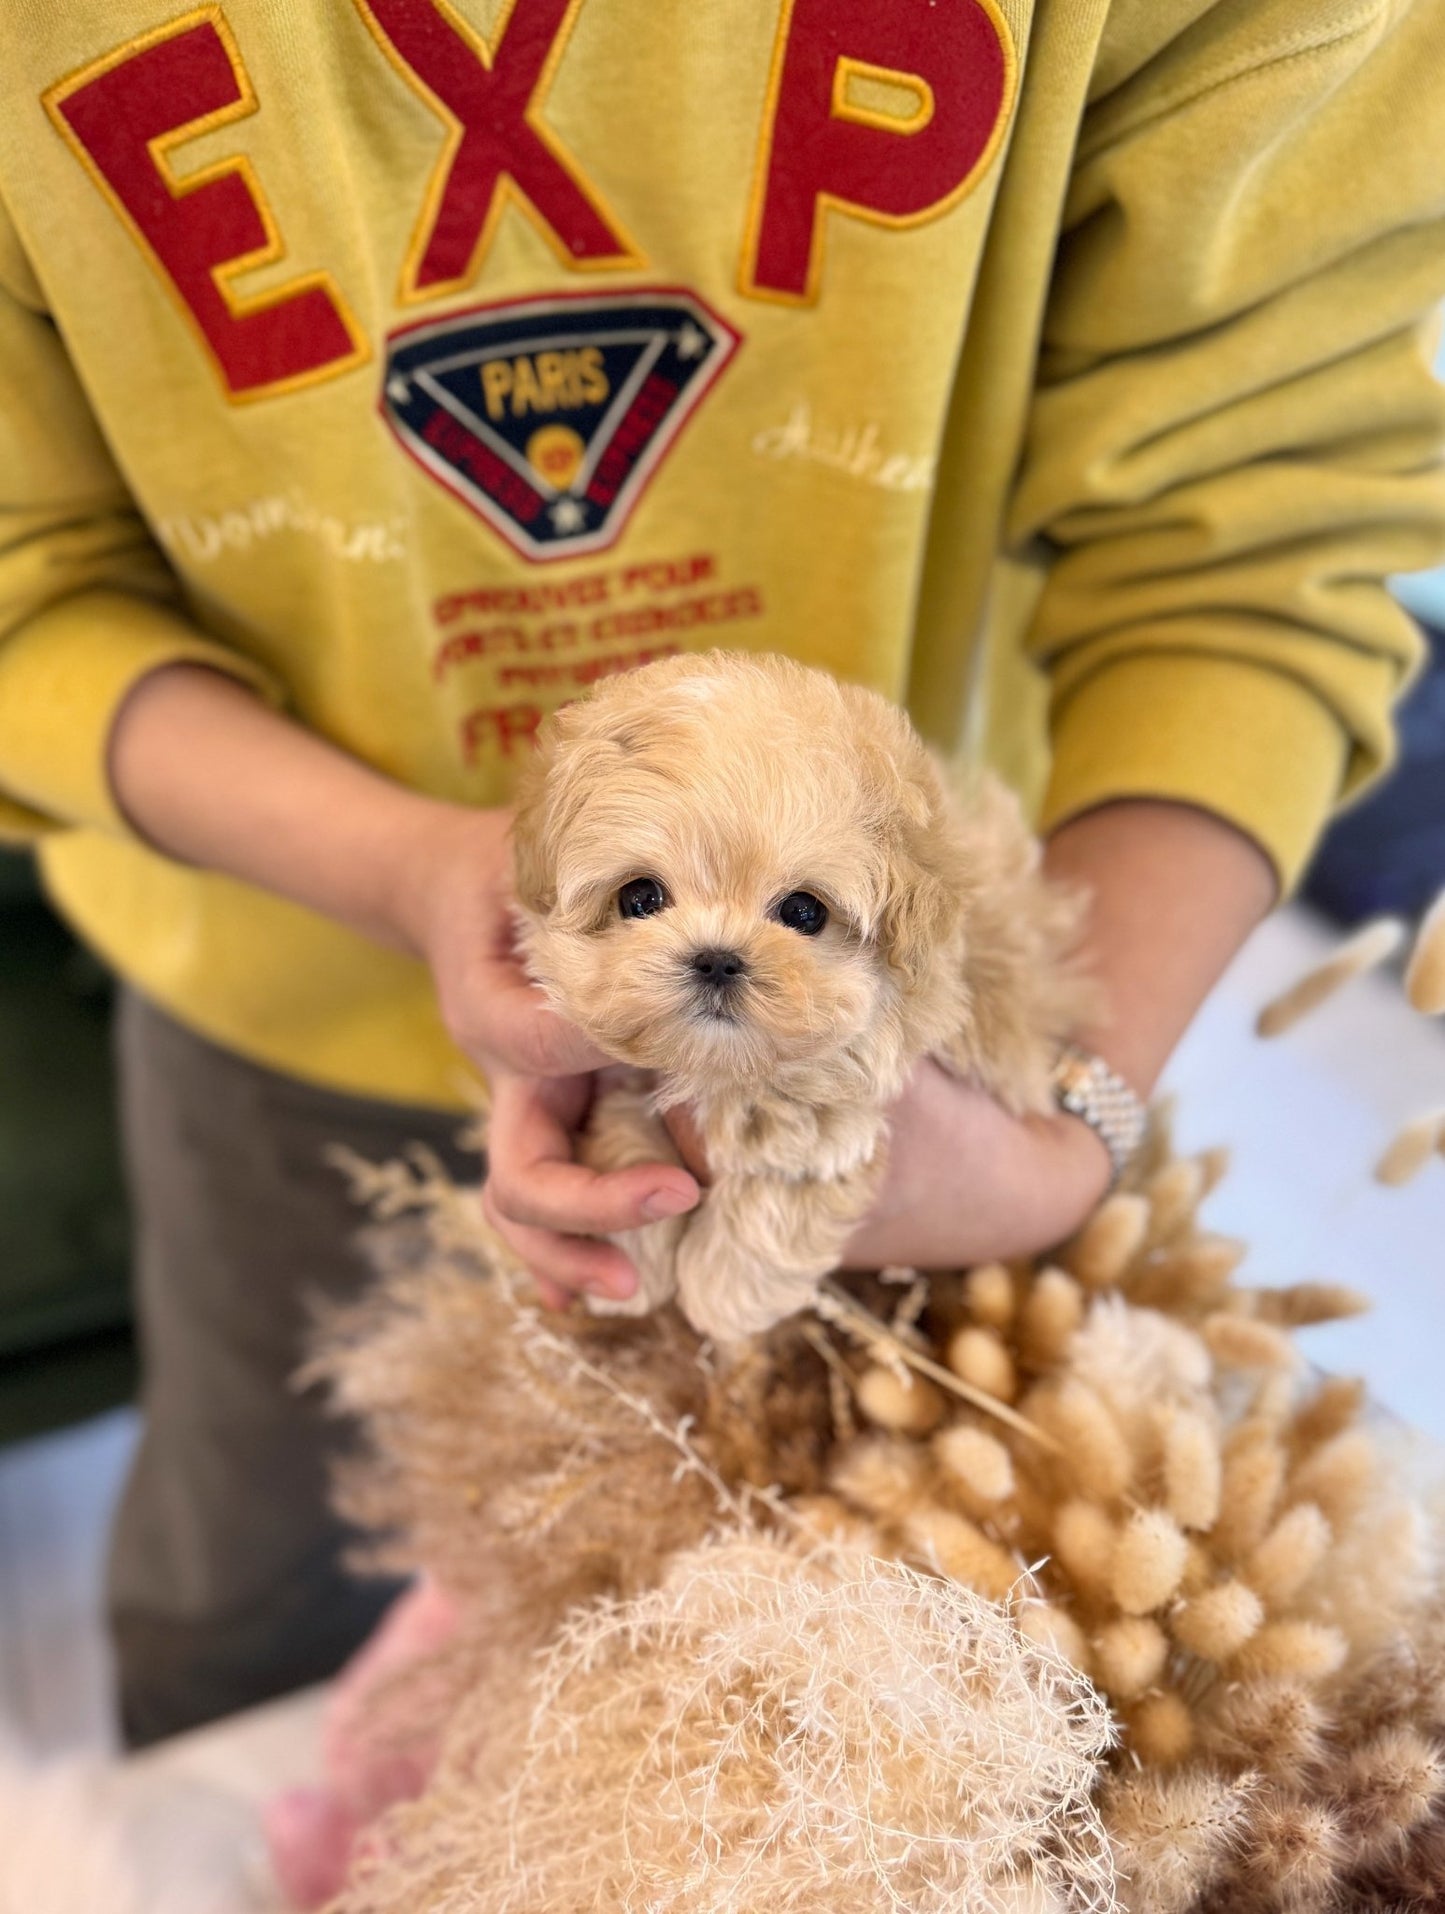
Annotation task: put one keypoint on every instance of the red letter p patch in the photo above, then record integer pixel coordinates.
(886, 112)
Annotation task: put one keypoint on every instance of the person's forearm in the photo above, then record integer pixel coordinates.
(1174, 893)
(209, 774)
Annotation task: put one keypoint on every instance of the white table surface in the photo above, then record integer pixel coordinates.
(1307, 1116)
(175, 1830)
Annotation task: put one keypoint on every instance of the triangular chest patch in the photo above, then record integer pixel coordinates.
(548, 416)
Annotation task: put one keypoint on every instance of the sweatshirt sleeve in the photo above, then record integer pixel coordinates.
(88, 604)
(1236, 434)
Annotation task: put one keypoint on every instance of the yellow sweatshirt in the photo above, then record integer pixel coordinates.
(1056, 367)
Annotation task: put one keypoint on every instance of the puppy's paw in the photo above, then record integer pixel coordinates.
(625, 1130)
(730, 1286)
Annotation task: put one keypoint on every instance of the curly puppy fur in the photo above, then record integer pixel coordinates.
(736, 783)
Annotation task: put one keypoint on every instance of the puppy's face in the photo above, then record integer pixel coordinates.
(722, 865)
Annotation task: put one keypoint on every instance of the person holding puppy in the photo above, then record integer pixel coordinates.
(375, 377)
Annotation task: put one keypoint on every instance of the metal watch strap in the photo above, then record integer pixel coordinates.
(1087, 1088)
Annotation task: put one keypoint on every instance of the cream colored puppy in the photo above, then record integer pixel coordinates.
(753, 884)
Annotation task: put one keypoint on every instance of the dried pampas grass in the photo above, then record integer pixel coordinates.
(766, 1732)
(1425, 972)
(1366, 950)
(1411, 1148)
(1415, 1142)
(563, 1443)
(1118, 1446)
(1172, 1835)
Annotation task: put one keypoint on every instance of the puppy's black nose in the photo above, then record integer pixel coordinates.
(722, 968)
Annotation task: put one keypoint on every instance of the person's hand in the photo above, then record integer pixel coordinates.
(967, 1183)
(457, 913)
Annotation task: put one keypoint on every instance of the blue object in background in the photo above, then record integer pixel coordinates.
(1424, 592)
(1388, 853)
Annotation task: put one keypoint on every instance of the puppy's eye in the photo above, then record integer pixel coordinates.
(803, 912)
(642, 897)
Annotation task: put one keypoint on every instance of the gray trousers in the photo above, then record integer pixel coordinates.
(226, 1584)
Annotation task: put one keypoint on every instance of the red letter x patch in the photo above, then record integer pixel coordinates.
(497, 144)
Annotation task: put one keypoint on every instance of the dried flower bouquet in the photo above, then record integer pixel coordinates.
(1042, 1587)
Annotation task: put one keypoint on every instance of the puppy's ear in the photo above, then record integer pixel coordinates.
(926, 878)
(917, 924)
(575, 745)
(534, 862)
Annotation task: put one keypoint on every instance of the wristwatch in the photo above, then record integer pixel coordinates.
(1087, 1088)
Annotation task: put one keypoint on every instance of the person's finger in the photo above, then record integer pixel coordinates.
(564, 1266)
(535, 1182)
(554, 1195)
(551, 1296)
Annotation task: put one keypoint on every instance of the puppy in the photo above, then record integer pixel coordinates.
(753, 885)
